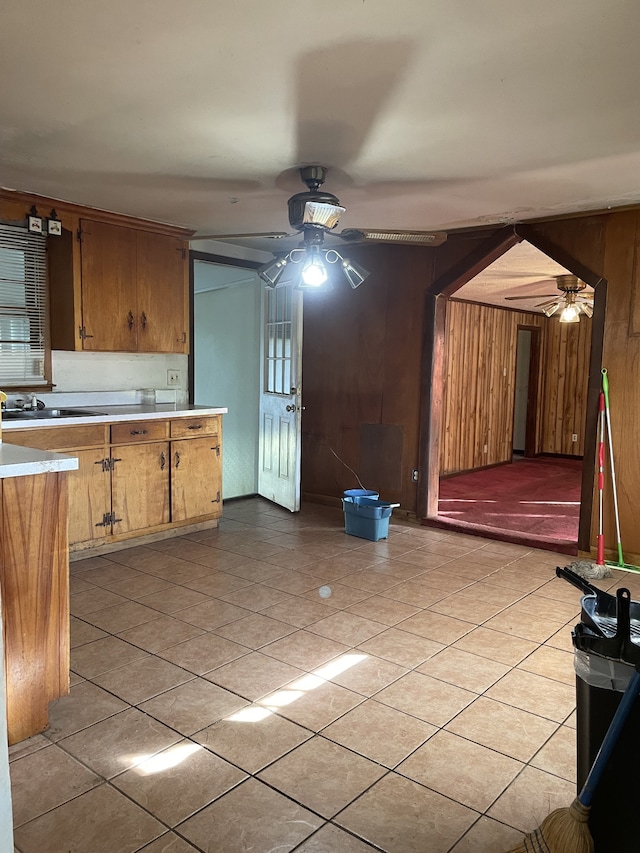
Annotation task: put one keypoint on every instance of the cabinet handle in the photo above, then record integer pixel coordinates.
(217, 449)
(182, 339)
(138, 432)
(130, 320)
(143, 320)
(194, 426)
(163, 461)
(216, 500)
(177, 459)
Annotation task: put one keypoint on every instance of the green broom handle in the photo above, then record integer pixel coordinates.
(610, 740)
(605, 388)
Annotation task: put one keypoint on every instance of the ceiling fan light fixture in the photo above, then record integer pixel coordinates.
(313, 275)
(354, 273)
(550, 309)
(570, 313)
(323, 214)
(586, 309)
(271, 272)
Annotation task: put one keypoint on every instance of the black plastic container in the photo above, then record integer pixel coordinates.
(605, 657)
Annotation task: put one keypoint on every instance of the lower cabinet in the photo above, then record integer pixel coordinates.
(196, 479)
(89, 496)
(139, 486)
(140, 476)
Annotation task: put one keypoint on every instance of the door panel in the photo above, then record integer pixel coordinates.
(89, 496)
(108, 287)
(196, 478)
(162, 294)
(280, 397)
(140, 486)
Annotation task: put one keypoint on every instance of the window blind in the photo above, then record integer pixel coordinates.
(23, 306)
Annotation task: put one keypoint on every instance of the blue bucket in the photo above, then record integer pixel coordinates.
(355, 495)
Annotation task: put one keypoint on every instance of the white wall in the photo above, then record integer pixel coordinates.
(117, 371)
(227, 366)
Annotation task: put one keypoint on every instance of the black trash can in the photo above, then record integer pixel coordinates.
(605, 658)
(600, 683)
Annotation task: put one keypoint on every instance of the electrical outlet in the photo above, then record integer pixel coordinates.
(173, 377)
(485, 449)
(414, 475)
(574, 437)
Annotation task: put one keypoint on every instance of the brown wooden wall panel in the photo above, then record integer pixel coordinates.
(565, 376)
(362, 365)
(479, 388)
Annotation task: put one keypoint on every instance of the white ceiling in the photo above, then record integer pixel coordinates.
(430, 114)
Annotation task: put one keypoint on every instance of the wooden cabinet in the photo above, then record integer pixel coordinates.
(134, 296)
(139, 486)
(89, 486)
(196, 479)
(136, 477)
(116, 283)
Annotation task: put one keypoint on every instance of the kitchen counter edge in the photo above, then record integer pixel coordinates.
(114, 414)
(16, 461)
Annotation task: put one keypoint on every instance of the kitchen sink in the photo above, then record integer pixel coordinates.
(46, 414)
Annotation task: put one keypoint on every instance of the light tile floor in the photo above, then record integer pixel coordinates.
(278, 685)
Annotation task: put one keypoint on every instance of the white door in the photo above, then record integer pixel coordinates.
(281, 396)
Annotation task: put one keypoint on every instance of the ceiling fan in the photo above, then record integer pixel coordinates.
(313, 214)
(571, 302)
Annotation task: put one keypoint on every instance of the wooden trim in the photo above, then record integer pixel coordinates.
(67, 209)
(591, 425)
(558, 254)
(224, 261)
(431, 400)
(211, 259)
(530, 448)
(475, 262)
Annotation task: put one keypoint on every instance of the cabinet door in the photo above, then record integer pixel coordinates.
(140, 486)
(196, 478)
(109, 308)
(89, 496)
(163, 319)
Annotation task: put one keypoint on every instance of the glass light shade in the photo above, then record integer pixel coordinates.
(586, 308)
(271, 272)
(321, 213)
(550, 309)
(314, 271)
(570, 314)
(354, 273)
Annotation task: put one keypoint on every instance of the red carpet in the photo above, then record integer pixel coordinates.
(532, 501)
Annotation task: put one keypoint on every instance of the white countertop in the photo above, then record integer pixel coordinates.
(25, 461)
(112, 414)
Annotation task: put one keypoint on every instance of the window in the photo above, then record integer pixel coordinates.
(23, 307)
(278, 341)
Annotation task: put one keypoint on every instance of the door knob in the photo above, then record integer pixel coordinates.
(291, 408)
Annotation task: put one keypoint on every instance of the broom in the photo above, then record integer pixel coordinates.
(621, 564)
(567, 830)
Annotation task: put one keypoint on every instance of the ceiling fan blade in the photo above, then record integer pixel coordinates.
(532, 296)
(369, 235)
(274, 235)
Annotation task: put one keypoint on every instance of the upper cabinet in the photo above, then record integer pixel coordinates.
(134, 290)
(116, 284)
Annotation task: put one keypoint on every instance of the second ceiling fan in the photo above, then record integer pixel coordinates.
(571, 301)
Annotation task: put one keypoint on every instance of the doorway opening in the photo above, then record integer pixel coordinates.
(513, 420)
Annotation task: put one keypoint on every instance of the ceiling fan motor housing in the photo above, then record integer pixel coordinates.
(569, 283)
(298, 202)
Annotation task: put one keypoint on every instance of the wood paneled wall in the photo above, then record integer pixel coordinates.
(479, 388)
(608, 244)
(565, 376)
(361, 377)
